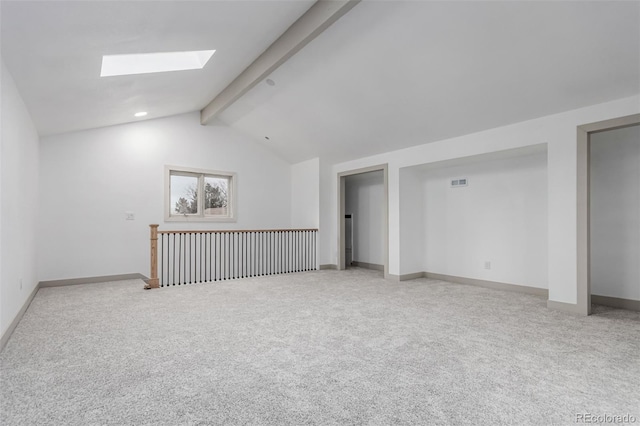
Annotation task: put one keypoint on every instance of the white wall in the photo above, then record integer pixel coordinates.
(90, 178)
(305, 194)
(364, 200)
(412, 221)
(500, 217)
(327, 234)
(615, 213)
(19, 188)
(557, 131)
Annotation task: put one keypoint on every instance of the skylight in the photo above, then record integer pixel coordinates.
(145, 63)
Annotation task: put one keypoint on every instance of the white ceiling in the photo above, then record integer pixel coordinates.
(54, 49)
(390, 75)
(387, 75)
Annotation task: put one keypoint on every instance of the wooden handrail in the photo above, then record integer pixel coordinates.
(219, 231)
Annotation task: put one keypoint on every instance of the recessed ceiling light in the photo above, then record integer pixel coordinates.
(145, 63)
(140, 114)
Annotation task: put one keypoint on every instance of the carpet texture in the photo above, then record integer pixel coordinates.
(325, 347)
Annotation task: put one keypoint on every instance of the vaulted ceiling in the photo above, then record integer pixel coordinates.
(54, 49)
(387, 75)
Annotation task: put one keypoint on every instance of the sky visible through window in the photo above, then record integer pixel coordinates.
(181, 188)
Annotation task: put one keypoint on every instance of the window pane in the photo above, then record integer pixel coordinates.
(184, 194)
(216, 196)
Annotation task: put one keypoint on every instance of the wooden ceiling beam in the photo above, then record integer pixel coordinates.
(318, 18)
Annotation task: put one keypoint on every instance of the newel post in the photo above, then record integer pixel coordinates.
(153, 281)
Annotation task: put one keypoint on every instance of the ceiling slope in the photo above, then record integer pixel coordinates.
(394, 74)
(54, 51)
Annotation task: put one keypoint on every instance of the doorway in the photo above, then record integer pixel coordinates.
(376, 227)
(614, 217)
(584, 134)
(348, 240)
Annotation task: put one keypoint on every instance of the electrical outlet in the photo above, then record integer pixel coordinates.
(129, 216)
(487, 264)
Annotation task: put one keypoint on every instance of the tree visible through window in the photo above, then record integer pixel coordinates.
(199, 194)
(216, 195)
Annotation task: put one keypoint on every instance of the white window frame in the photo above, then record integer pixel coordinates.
(169, 216)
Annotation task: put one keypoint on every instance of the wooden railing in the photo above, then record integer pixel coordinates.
(187, 257)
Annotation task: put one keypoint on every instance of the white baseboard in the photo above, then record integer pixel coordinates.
(616, 302)
(570, 308)
(92, 280)
(58, 283)
(413, 276)
(543, 292)
(328, 266)
(366, 265)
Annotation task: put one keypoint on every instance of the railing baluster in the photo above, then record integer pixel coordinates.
(300, 266)
(194, 269)
(223, 253)
(173, 282)
(290, 252)
(307, 249)
(246, 255)
(189, 257)
(212, 256)
(160, 258)
(179, 259)
(177, 253)
(269, 250)
(215, 257)
(160, 255)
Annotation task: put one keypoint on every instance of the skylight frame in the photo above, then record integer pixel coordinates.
(149, 63)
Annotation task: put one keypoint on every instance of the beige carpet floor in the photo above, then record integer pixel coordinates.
(324, 348)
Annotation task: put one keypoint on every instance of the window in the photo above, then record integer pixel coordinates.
(194, 195)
